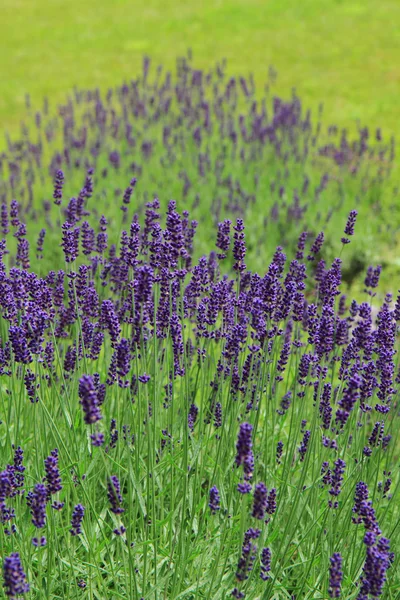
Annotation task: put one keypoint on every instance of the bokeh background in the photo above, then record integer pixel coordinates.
(344, 53)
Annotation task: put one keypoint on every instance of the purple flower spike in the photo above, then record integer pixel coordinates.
(259, 501)
(14, 577)
(335, 575)
(192, 416)
(279, 451)
(97, 439)
(265, 564)
(316, 247)
(89, 400)
(244, 454)
(53, 479)
(58, 186)
(215, 500)
(304, 444)
(77, 518)
(248, 554)
(223, 238)
(349, 229)
(271, 502)
(377, 562)
(244, 443)
(244, 488)
(239, 247)
(114, 495)
(37, 504)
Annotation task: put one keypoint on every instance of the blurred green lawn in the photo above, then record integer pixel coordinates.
(345, 53)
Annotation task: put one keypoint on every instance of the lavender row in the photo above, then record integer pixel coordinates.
(208, 138)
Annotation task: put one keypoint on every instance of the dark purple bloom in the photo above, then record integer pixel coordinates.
(31, 385)
(304, 444)
(279, 450)
(53, 478)
(363, 510)
(285, 403)
(214, 500)
(386, 441)
(145, 378)
(102, 238)
(337, 480)
(58, 186)
(19, 468)
(88, 239)
(265, 563)
(14, 577)
(349, 229)
(97, 439)
(70, 242)
(271, 502)
(377, 562)
(350, 396)
(244, 488)
(109, 320)
(325, 409)
(218, 415)
(377, 434)
(76, 520)
(316, 247)
(244, 454)
(239, 246)
(259, 501)
(192, 416)
(39, 542)
(301, 244)
(123, 361)
(335, 575)
(39, 244)
(248, 554)
(4, 219)
(237, 594)
(128, 193)
(361, 495)
(372, 277)
(19, 344)
(37, 505)
(119, 530)
(89, 399)
(114, 495)
(14, 213)
(223, 238)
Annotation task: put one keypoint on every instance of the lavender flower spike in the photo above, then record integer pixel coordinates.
(89, 400)
(335, 575)
(53, 479)
(260, 501)
(114, 495)
(349, 229)
(14, 577)
(37, 503)
(77, 518)
(265, 564)
(214, 502)
(58, 186)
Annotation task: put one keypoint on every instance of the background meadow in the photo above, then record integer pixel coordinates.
(199, 304)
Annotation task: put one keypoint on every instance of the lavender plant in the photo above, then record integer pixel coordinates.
(177, 428)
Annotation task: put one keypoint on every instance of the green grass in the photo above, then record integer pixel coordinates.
(344, 53)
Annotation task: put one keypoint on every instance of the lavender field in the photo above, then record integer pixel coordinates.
(199, 366)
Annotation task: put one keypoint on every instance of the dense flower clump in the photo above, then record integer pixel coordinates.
(172, 423)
